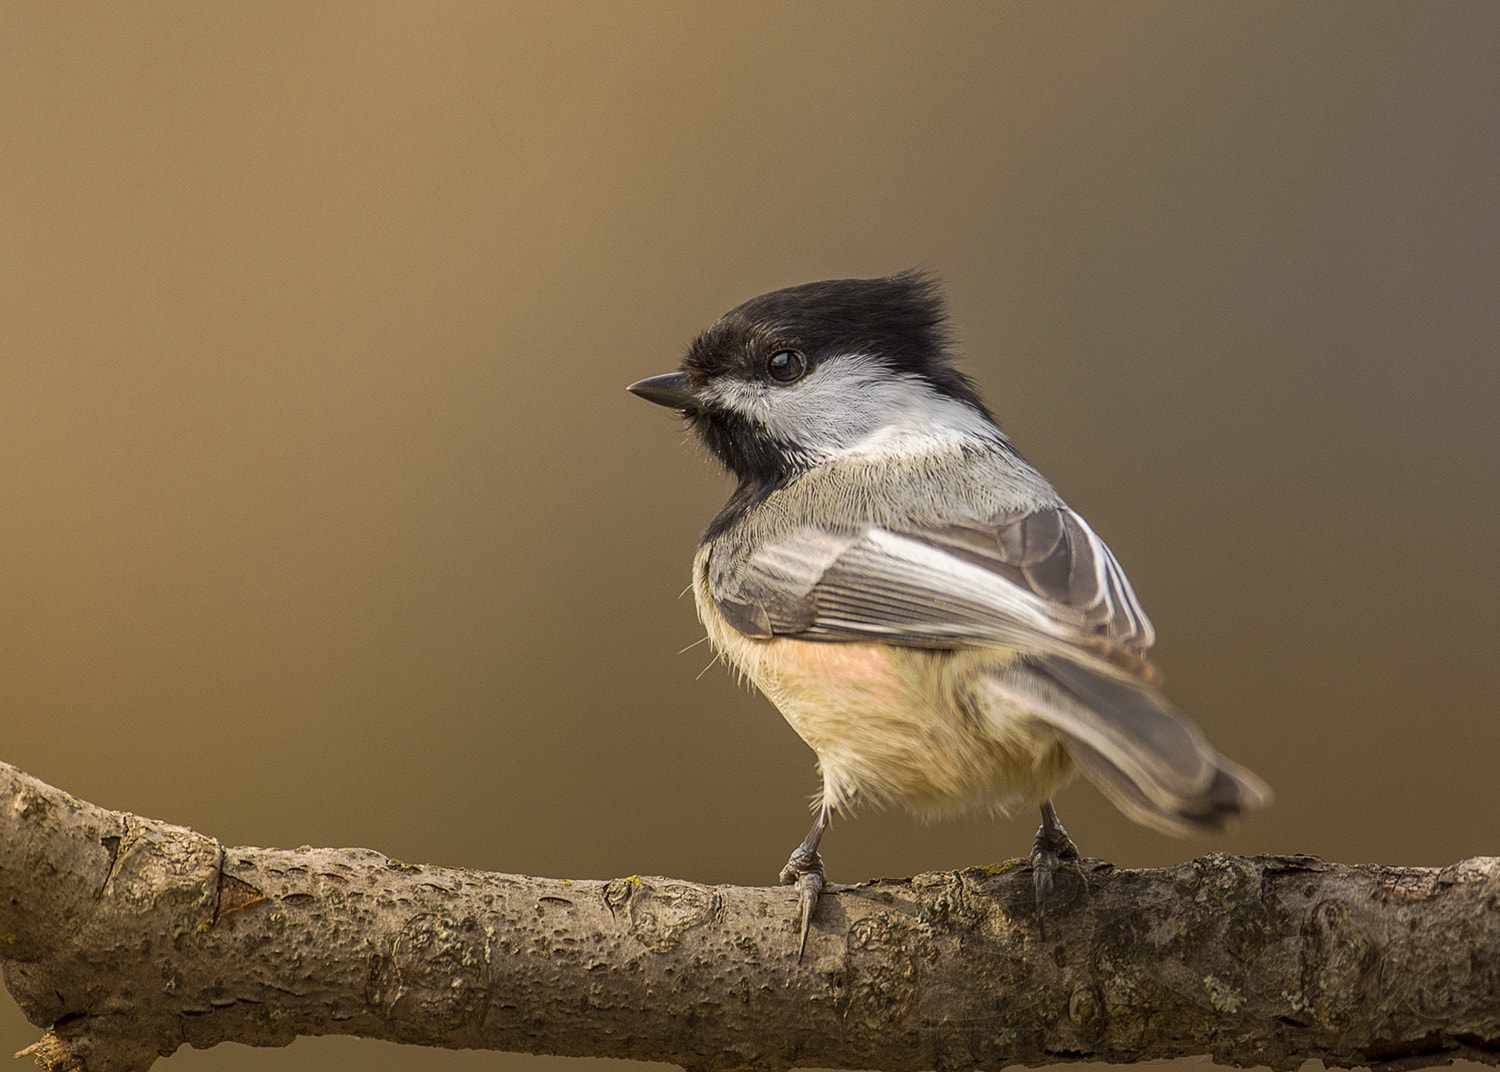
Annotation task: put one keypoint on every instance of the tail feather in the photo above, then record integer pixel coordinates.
(1130, 741)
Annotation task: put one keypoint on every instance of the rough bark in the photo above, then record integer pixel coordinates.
(126, 938)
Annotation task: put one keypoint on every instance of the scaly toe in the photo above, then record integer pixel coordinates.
(1047, 855)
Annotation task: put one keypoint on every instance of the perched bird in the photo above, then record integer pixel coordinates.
(920, 604)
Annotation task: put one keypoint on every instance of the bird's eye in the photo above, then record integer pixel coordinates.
(786, 366)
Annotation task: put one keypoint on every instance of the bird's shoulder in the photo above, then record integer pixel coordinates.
(911, 490)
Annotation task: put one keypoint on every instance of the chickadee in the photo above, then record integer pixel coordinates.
(920, 604)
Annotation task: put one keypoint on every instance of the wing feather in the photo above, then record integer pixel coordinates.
(1039, 581)
(1054, 554)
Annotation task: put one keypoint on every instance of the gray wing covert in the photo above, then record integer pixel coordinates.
(1035, 581)
(1054, 554)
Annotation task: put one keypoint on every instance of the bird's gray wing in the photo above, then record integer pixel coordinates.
(1037, 581)
(1053, 554)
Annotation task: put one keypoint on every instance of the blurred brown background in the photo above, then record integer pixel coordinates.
(325, 517)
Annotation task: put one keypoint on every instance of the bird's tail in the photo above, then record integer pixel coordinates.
(1143, 754)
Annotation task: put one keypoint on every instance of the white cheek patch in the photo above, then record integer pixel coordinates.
(919, 421)
(855, 406)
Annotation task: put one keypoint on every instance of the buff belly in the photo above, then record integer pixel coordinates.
(901, 725)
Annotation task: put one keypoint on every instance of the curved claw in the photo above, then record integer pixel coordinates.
(805, 871)
(1043, 864)
(809, 887)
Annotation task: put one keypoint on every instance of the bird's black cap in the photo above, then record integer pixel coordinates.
(900, 320)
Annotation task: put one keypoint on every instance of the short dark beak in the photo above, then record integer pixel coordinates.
(672, 390)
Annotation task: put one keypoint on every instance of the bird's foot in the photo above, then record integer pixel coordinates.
(1051, 848)
(805, 871)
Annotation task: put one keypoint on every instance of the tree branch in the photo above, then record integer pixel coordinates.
(127, 937)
